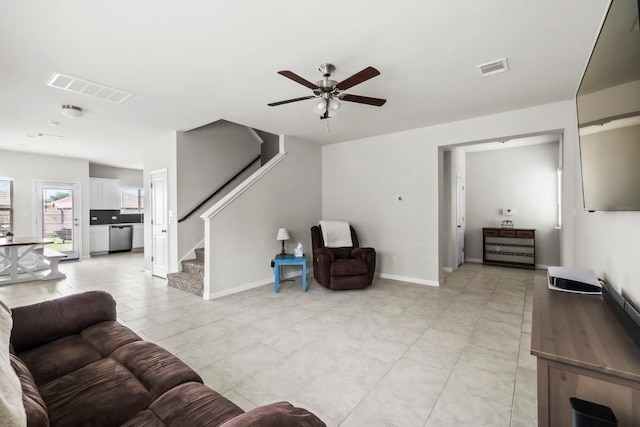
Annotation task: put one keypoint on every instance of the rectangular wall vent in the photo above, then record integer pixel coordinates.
(86, 87)
(494, 67)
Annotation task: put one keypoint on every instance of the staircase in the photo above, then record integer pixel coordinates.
(191, 278)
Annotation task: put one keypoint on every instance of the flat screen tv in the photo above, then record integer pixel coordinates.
(608, 104)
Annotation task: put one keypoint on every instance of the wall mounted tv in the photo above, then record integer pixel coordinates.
(608, 103)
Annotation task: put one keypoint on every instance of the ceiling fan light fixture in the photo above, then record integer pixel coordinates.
(320, 107)
(72, 111)
(334, 107)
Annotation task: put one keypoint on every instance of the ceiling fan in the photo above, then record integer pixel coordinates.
(331, 92)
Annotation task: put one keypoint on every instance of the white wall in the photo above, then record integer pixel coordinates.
(607, 242)
(25, 168)
(243, 234)
(128, 177)
(160, 153)
(522, 178)
(362, 180)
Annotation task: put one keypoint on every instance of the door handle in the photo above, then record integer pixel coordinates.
(164, 231)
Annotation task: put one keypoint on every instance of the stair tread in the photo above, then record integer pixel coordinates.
(185, 274)
(193, 261)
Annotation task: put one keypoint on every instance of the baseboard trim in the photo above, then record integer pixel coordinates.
(474, 260)
(407, 279)
(257, 284)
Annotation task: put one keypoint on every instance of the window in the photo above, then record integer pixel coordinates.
(6, 205)
(131, 200)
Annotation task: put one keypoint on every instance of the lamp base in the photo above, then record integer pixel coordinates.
(283, 251)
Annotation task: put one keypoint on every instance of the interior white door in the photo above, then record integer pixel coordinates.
(460, 216)
(159, 224)
(59, 216)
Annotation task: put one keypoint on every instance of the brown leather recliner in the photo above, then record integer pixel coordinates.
(342, 268)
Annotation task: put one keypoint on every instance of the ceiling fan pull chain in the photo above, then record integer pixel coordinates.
(328, 127)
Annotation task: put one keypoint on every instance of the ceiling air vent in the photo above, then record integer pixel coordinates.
(494, 67)
(86, 87)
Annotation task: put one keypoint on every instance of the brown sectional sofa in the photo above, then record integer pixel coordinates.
(78, 366)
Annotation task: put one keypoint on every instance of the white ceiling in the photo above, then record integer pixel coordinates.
(189, 63)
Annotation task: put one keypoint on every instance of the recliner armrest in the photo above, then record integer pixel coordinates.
(324, 252)
(362, 253)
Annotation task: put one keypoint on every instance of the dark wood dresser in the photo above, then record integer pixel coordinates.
(583, 351)
(511, 247)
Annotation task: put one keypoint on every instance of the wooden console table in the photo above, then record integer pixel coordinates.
(583, 351)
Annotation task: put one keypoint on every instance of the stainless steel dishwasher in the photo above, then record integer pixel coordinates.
(120, 238)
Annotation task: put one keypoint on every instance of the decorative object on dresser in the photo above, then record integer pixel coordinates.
(510, 247)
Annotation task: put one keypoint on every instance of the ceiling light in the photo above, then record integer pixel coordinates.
(72, 111)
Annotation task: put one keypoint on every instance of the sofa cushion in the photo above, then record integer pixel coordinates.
(59, 357)
(106, 337)
(103, 393)
(34, 406)
(349, 267)
(12, 411)
(193, 405)
(280, 414)
(44, 322)
(156, 368)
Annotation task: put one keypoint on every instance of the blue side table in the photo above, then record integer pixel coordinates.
(289, 259)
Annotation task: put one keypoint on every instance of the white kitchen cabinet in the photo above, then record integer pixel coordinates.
(104, 193)
(99, 238)
(138, 236)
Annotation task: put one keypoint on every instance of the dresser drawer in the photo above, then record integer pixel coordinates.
(491, 233)
(507, 233)
(525, 233)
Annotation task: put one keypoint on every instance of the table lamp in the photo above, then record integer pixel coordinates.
(282, 235)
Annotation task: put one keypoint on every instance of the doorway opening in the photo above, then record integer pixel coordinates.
(58, 216)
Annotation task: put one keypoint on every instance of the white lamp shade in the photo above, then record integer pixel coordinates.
(282, 234)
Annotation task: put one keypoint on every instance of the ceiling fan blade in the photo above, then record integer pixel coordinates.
(378, 102)
(274, 104)
(358, 78)
(296, 78)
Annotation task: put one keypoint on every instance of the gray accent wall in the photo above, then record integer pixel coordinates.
(206, 158)
(523, 178)
(243, 234)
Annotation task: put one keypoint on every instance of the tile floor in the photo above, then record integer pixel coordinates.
(396, 354)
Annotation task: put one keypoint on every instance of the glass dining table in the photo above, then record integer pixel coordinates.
(15, 263)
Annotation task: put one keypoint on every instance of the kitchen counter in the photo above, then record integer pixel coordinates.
(100, 237)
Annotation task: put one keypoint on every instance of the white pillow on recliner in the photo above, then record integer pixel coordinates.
(12, 411)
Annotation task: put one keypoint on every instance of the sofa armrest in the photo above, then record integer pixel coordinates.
(40, 323)
(280, 414)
